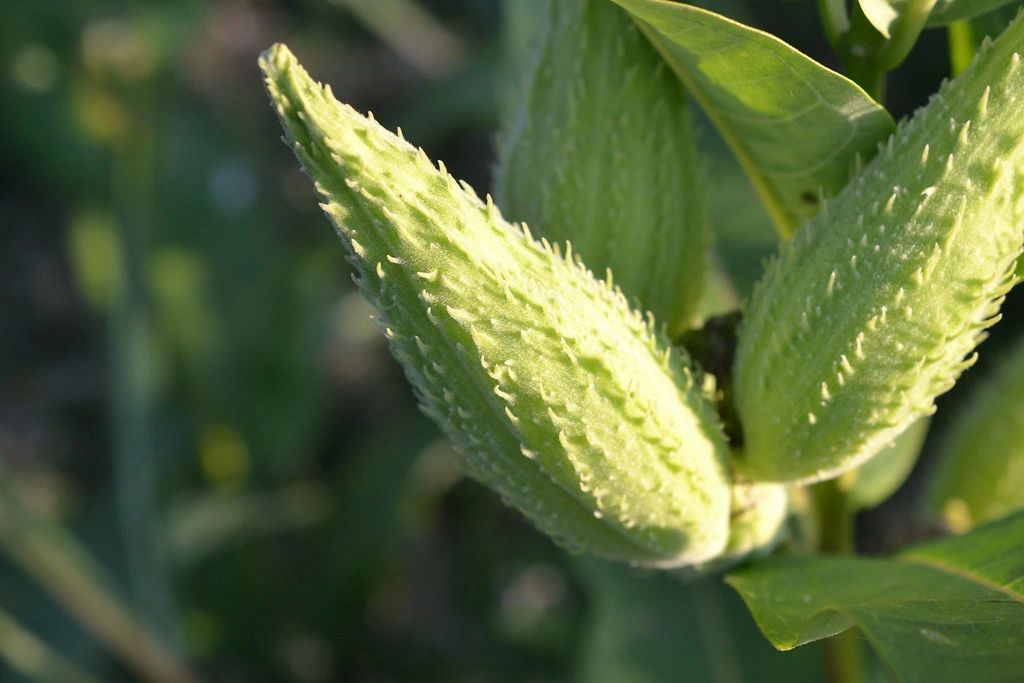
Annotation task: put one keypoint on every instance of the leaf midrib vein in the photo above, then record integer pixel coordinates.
(961, 573)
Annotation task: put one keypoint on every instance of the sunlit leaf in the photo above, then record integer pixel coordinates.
(952, 610)
(795, 125)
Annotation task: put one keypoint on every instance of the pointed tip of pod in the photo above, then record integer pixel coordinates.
(276, 59)
(453, 296)
(286, 80)
(312, 117)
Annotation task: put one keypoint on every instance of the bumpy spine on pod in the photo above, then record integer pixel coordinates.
(556, 392)
(602, 153)
(980, 473)
(873, 309)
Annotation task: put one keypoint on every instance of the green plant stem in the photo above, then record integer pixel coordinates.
(51, 556)
(863, 71)
(868, 55)
(856, 41)
(961, 46)
(844, 659)
(835, 20)
(133, 373)
(859, 50)
(29, 655)
(905, 33)
(835, 520)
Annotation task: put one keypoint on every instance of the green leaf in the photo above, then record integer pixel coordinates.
(946, 611)
(646, 627)
(883, 474)
(980, 473)
(794, 125)
(948, 11)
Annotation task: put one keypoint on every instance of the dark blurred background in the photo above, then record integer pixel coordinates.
(191, 387)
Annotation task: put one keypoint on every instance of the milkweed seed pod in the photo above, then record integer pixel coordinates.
(869, 313)
(602, 153)
(980, 472)
(757, 522)
(556, 393)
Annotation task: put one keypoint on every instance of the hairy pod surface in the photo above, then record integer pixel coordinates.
(757, 516)
(556, 392)
(980, 474)
(757, 522)
(602, 153)
(869, 313)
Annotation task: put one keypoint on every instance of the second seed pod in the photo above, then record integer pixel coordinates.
(602, 153)
(875, 307)
(557, 394)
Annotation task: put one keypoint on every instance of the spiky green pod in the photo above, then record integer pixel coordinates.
(980, 473)
(602, 154)
(869, 313)
(757, 521)
(556, 392)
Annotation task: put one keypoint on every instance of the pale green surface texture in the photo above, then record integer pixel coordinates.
(872, 309)
(881, 476)
(601, 153)
(757, 520)
(756, 524)
(946, 11)
(980, 472)
(795, 126)
(947, 611)
(555, 391)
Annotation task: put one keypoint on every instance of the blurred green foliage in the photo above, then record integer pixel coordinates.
(189, 383)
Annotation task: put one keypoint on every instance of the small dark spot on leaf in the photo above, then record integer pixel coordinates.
(809, 198)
